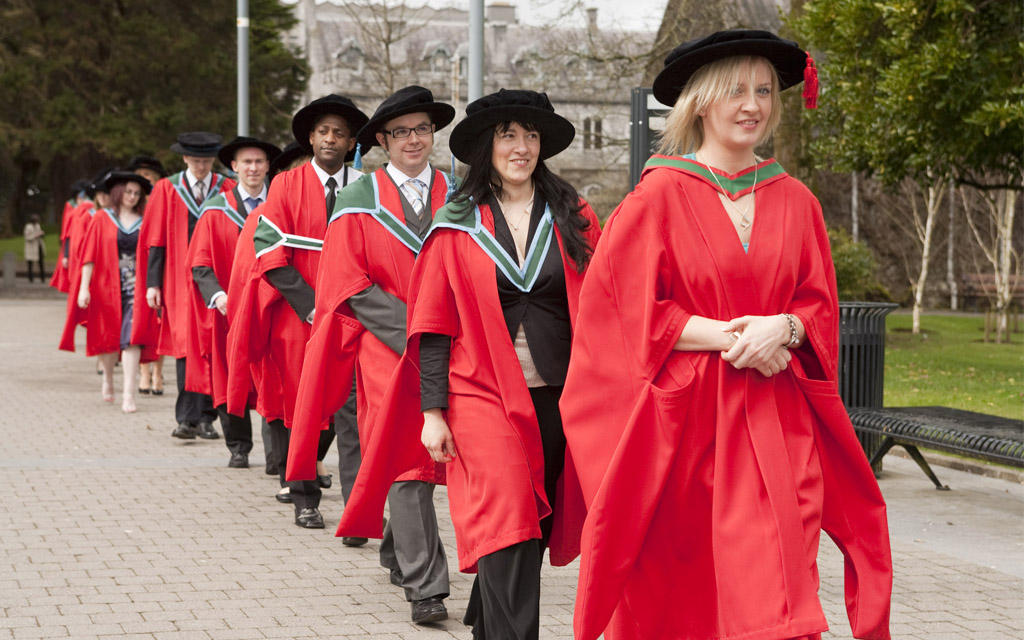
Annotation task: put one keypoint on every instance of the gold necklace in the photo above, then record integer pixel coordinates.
(745, 222)
(526, 211)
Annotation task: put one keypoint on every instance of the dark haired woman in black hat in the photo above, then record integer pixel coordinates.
(491, 306)
(107, 285)
(702, 392)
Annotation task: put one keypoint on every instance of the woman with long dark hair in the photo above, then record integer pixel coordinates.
(108, 282)
(491, 309)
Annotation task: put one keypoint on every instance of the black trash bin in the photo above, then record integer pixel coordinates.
(862, 360)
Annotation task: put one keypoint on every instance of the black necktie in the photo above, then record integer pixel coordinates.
(332, 184)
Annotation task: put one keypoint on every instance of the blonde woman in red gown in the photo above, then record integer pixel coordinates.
(701, 403)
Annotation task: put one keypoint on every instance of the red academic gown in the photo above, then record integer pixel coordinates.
(362, 248)
(708, 486)
(165, 224)
(59, 280)
(103, 315)
(81, 217)
(496, 482)
(295, 205)
(247, 366)
(213, 245)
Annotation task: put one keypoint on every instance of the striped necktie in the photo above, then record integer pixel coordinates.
(417, 191)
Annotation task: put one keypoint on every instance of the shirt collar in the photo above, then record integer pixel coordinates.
(192, 180)
(246, 195)
(400, 178)
(262, 195)
(323, 175)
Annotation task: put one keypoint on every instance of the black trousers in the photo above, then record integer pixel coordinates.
(237, 430)
(505, 601)
(42, 272)
(306, 494)
(191, 407)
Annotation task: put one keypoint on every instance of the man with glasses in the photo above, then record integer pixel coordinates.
(378, 226)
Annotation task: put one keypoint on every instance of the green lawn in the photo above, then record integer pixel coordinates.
(949, 364)
(17, 244)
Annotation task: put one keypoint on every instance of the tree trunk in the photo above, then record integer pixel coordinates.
(1007, 202)
(934, 193)
(950, 275)
(855, 206)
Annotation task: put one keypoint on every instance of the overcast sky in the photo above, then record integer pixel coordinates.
(611, 14)
(631, 15)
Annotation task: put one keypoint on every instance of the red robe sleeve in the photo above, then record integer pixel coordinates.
(213, 245)
(400, 419)
(357, 253)
(76, 233)
(330, 358)
(152, 233)
(200, 320)
(59, 280)
(250, 297)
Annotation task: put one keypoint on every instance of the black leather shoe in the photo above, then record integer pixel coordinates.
(429, 610)
(271, 470)
(185, 431)
(239, 461)
(284, 497)
(207, 432)
(309, 518)
(396, 577)
(324, 481)
(352, 541)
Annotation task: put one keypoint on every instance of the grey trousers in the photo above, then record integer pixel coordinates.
(411, 548)
(347, 431)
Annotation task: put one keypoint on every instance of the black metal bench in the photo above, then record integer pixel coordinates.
(966, 433)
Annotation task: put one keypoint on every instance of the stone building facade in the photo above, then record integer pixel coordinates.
(366, 50)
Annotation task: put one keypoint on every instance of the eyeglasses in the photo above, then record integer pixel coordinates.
(405, 132)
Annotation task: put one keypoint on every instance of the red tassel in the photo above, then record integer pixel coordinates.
(810, 94)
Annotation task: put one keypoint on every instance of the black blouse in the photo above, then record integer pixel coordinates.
(543, 312)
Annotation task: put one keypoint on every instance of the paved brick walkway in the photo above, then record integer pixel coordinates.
(110, 528)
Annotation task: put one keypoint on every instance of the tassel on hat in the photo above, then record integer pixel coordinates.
(451, 184)
(810, 94)
(357, 161)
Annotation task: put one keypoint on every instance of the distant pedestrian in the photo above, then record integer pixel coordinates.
(34, 250)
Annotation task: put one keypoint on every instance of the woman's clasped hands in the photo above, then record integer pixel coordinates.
(758, 342)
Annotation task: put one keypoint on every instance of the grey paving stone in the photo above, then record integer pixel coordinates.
(136, 536)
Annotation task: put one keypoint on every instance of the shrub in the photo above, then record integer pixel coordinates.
(855, 269)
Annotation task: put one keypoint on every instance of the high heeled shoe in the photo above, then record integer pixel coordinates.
(157, 388)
